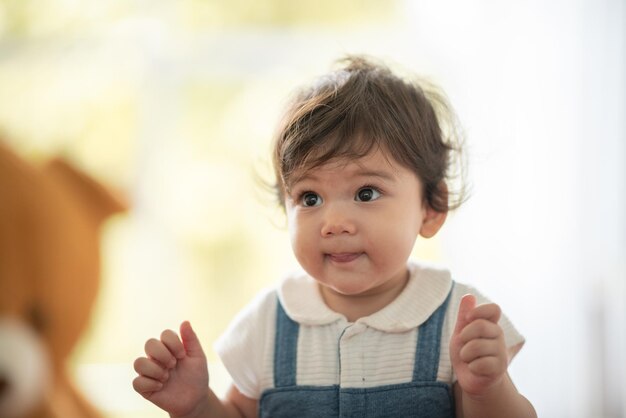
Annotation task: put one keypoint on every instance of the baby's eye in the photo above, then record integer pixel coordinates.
(367, 194)
(309, 199)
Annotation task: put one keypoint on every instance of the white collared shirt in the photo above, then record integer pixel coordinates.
(373, 351)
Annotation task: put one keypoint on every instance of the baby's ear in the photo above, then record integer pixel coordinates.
(434, 219)
(432, 222)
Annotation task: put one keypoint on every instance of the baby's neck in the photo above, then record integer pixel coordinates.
(354, 307)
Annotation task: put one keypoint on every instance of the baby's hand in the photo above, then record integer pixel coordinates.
(174, 375)
(477, 347)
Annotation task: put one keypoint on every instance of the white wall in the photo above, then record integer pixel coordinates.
(540, 88)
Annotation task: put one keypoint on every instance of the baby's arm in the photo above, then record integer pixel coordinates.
(480, 360)
(174, 376)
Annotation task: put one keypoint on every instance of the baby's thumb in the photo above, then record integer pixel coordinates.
(468, 302)
(190, 340)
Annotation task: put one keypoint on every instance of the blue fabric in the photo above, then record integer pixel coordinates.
(423, 397)
(285, 349)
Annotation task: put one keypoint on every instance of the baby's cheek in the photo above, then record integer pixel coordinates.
(398, 239)
(308, 254)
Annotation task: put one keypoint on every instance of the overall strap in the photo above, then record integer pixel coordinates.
(285, 348)
(429, 344)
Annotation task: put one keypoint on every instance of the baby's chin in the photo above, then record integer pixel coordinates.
(348, 288)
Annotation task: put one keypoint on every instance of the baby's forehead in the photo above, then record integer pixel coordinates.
(375, 163)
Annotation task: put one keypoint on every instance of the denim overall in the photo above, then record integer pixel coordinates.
(423, 397)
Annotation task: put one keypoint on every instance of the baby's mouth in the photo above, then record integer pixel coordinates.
(343, 257)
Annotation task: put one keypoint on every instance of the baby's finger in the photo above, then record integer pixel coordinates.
(466, 305)
(173, 343)
(150, 368)
(146, 386)
(476, 349)
(480, 328)
(487, 366)
(488, 311)
(158, 351)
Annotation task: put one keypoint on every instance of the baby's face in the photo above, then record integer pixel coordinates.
(353, 224)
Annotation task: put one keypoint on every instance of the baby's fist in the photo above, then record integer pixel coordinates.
(477, 347)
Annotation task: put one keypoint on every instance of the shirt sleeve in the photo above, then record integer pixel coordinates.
(247, 344)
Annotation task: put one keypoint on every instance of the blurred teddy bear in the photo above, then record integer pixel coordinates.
(50, 221)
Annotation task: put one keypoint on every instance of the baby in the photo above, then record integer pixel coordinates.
(363, 167)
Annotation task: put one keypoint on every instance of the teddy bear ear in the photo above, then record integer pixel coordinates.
(100, 201)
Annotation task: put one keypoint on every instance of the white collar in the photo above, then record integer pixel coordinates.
(425, 291)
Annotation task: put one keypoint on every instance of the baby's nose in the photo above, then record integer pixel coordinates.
(338, 221)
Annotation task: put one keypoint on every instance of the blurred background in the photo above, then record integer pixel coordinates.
(174, 102)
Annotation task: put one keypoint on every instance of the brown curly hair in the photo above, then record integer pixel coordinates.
(361, 107)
